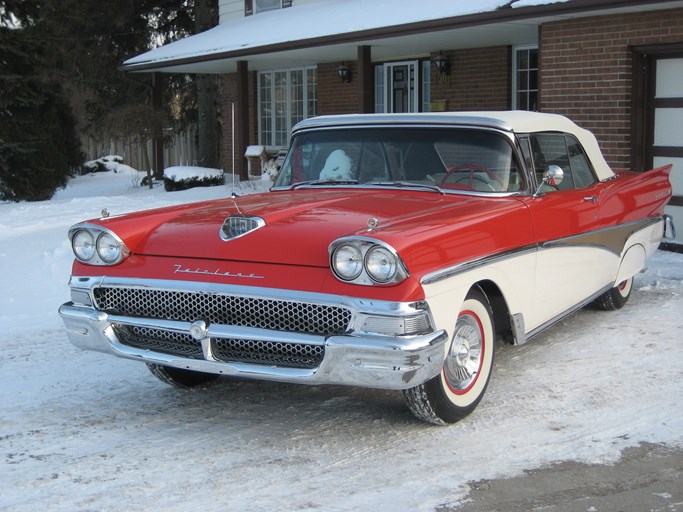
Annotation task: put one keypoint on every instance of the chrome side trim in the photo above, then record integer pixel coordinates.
(445, 273)
(538, 330)
(612, 238)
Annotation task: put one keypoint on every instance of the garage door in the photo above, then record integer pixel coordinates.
(668, 131)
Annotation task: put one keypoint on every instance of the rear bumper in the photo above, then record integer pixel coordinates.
(381, 362)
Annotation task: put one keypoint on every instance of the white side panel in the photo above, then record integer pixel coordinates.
(546, 284)
(642, 245)
(230, 10)
(514, 276)
(567, 276)
(669, 78)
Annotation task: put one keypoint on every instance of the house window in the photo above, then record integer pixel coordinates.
(256, 6)
(525, 78)
(285, 97)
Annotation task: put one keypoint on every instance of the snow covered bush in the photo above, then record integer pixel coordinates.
(183, 178)
(102, 164)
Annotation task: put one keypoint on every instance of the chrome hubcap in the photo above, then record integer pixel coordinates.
(464, 359)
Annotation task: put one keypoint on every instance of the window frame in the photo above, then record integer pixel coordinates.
(515, 77)
(570, 176)
(273, 133)
(251, 7)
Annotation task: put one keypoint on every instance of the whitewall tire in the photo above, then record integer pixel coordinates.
(615, 298)
(458, 389)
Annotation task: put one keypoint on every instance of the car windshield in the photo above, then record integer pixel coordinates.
(448, 158)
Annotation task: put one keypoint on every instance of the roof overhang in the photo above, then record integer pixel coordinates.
(312, 34)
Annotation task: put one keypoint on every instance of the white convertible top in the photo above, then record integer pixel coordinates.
(515, 121)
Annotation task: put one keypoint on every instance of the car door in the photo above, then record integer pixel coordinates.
(572, 263)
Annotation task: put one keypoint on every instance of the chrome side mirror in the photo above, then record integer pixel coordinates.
(553, 177)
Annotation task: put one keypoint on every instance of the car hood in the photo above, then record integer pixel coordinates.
(299, 225)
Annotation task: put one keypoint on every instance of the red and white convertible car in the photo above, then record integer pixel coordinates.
(393, 252)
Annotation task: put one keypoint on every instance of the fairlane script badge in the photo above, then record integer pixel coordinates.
(218, 272)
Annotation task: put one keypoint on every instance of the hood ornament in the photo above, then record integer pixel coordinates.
(236, 226)
(372, 223)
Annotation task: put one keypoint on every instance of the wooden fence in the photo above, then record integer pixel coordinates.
(179, 149)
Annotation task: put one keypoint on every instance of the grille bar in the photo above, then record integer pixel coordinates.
(274, 314)
(271, 353)
(159, 340)
(290, 355)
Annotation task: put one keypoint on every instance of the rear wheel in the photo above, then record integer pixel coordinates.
(616, 297)
(458, 389)
(179, 377)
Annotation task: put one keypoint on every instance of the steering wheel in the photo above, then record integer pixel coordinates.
(474, 173)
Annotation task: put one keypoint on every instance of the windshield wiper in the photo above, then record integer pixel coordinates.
(322, 182)
(406, 184)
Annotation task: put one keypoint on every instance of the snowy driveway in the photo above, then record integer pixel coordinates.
(85, 431)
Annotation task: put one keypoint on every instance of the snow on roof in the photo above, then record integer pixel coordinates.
(322, 19)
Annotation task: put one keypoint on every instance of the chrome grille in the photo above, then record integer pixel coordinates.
(279, 315)
(271, 353)
(159, 340)
(290, 355)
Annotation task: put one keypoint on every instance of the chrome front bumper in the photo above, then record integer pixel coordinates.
(372, 361)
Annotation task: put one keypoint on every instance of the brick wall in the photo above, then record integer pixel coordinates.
(335, 97)
(586, 71)
(480, 79)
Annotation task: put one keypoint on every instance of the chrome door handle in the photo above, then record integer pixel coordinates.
(592, 199)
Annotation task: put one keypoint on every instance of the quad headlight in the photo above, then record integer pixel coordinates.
(347, 262)
(83, 245)
(366, 261)
(96, 245)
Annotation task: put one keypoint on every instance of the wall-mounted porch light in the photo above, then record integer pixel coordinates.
(344, 73)
(443, 67)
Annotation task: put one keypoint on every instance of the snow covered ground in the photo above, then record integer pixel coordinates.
(85, 431)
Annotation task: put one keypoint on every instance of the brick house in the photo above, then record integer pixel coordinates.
(615, 67)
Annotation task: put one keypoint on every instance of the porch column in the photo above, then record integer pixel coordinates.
(158, 135)
(242, 127)
(366, 81)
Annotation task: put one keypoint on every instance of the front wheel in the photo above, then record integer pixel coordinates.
(179, 377)
(458, 389)
(615, 298)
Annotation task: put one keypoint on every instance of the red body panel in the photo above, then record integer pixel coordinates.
(429, 231)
